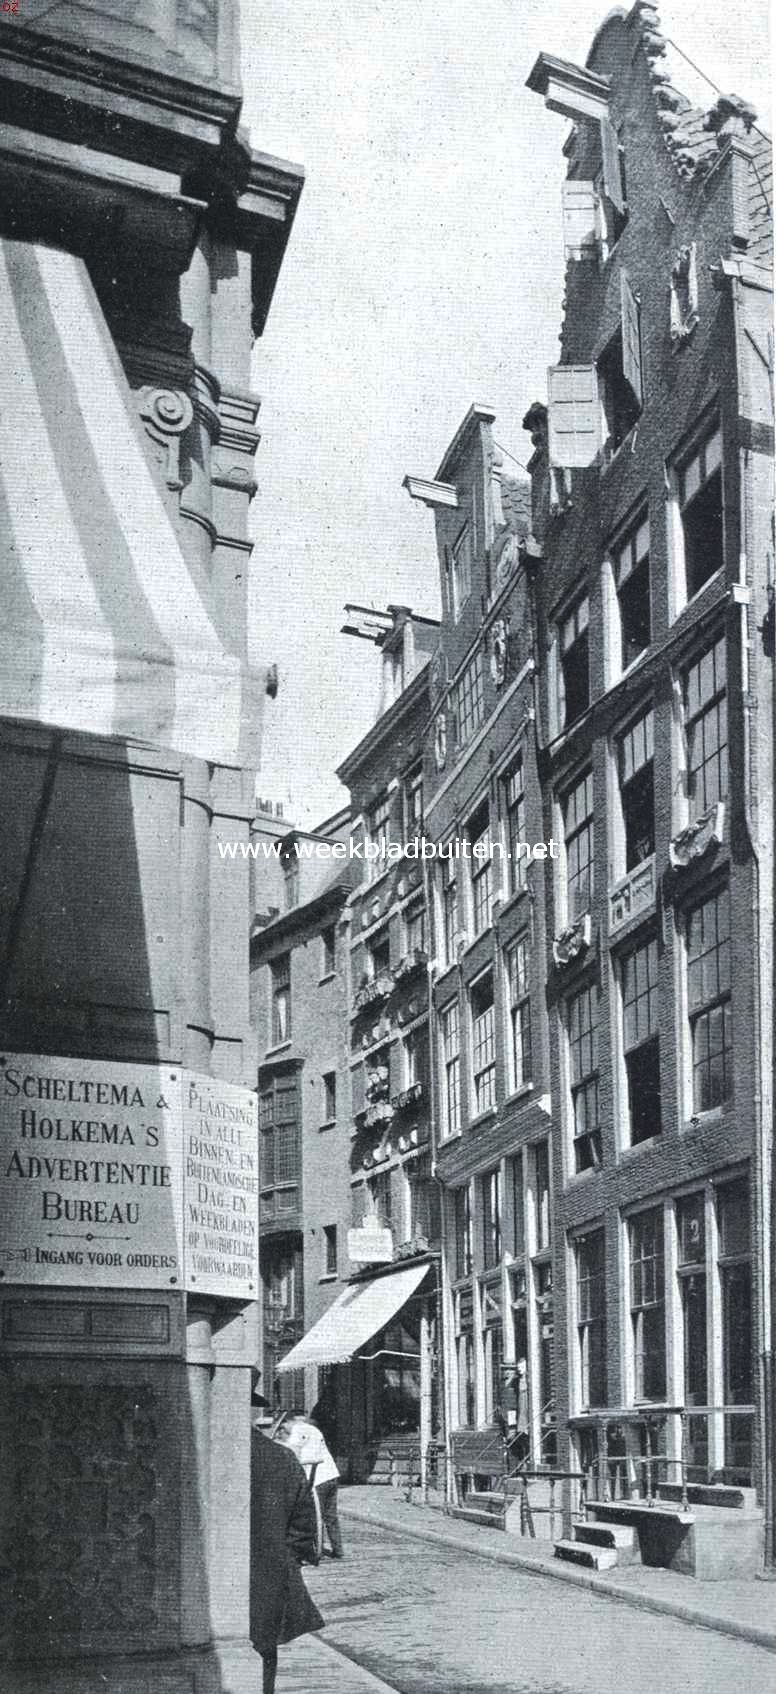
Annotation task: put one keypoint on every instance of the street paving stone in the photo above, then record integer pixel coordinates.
(430, 1619)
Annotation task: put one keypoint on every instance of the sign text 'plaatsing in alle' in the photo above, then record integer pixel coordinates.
(95, 1188)
(221, 1187)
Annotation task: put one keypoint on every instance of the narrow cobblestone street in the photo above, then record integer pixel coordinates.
(428, 1620)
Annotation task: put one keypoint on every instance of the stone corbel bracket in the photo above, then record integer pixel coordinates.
(691, 843)
(166, 414)
(572, 941)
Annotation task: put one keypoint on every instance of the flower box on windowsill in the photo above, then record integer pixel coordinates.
(417, 960)
(411, 1096)
(377, 1083)
(417, 1136)
(573, 940)
(704, 832)
(371, 993)
(634, 895)
(379, 1112)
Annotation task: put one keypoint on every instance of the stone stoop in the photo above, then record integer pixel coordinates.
(585, 1554)
(710, 1541)
(620, 1538)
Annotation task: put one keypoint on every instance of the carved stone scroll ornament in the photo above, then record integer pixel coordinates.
(166, 414)
(572, 941)
(692, 842)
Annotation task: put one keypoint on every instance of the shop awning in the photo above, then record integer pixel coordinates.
(360, 1311)
(106, 627)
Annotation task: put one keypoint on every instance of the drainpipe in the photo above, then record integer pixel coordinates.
(762, 1173)
(440, 1261)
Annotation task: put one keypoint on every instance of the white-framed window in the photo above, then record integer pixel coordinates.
(630, 564)
(460, 571)
(635, 761)
(483, 1028)
(329, 1081)
(462, 1220)
(378, 834)
(329, 950)
(378, 955)
(464, 1347)
(412, 805)
(280, 979)
(578, 836)
(590, 1256)
(709, 1000)
(516, 959)
(696, 516)
(648, 1304)
(641, 1039)
(415, 929)
(380, 1198)
(582, 1031)
(481, 868)
(574, 669)
(490, 1211)
(449, 899)
(416, 1057)
(514, 809)
(542, 1197)
(704, 696)
(330, 1249)
(469, 701)
(450, 1041)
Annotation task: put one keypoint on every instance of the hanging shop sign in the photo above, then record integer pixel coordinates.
(126, 1176)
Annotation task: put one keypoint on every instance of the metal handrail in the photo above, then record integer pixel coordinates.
(646, 1418)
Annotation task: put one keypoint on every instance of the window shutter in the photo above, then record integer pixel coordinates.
(610, 156)
(580, 219)
(631, 337)
(574, 415)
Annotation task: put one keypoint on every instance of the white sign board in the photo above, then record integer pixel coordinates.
(370, 1246)
(127, 1176)
(221, 1187)
(91, 1184)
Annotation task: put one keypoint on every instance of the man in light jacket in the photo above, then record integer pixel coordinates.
(305, 1439)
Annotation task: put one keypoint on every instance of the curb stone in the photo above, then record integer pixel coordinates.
(750, 1632)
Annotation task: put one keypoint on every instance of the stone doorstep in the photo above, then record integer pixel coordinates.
(584, 1553)
(621, 1536)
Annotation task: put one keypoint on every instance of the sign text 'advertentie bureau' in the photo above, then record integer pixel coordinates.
(126, 1176)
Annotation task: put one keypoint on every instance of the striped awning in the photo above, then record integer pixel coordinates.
(105, 626)
(358, 1313)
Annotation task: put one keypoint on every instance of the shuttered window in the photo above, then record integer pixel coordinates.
(574, 416)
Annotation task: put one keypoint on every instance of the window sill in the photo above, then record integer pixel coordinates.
(481, 1118)
(330, 1276)
(446, 1140)
(519, 1094)
(699, 1120)
(716, 577)
(628, 441)
(331, 1123)
(274, 1052)
(632, 1151)
(330, 976)
(511, 900)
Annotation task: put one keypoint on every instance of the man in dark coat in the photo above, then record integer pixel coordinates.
(283, 1535)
